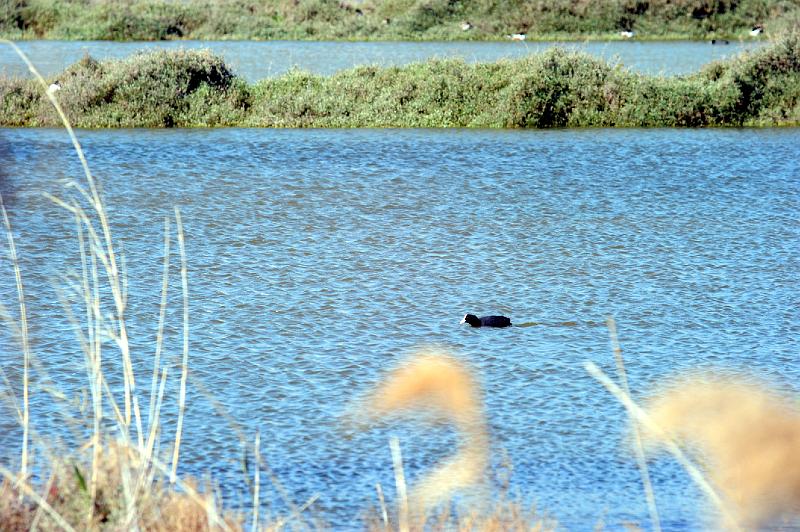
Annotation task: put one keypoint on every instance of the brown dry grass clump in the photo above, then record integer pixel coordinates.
(750, 437)
(122, 500)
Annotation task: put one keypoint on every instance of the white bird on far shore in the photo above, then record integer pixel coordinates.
(56, 86)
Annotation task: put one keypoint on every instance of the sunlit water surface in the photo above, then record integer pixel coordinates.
(259, 60)
(318, 260)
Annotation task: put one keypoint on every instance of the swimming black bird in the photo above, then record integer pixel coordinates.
(486, 321)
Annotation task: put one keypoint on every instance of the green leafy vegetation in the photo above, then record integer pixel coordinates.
(557, 88)
(391, 19)
(161, 89)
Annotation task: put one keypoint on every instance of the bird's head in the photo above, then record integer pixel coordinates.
(471, 319)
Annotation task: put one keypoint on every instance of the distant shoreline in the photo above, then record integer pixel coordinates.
(394, 20)
(554, 89)
(538, 38)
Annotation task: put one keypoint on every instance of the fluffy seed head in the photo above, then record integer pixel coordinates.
(750, 436)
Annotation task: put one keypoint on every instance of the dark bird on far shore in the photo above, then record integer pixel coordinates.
(486, 321)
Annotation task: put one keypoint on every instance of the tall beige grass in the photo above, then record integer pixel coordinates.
(24, 340)
(616, 348)
(117, 506)
(128, 485)
(125, 488)
(749, 435)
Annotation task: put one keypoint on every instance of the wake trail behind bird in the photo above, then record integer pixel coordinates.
(559, 324)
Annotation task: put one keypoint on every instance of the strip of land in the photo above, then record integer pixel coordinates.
(393, 19)
(557, 88)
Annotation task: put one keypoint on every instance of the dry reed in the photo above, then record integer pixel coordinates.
(26, 349)
(125, 490)
(185, 361)
(616, 348)
(119, 503)
(101, 248)
(640, 415)
(162, 311)
(400, 485)
(750, 437)
(382, 505)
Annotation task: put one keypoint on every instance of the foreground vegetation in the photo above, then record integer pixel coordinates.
(557, 88)
(390, 19)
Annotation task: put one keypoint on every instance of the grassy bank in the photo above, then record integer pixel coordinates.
(557, 88)
(390, 19)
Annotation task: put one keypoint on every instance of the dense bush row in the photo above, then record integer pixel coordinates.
(389, 19)
(557, 88)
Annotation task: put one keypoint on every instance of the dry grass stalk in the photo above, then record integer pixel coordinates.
(148, 474)
(295, 511)
(639, 450)
(256, 479)
(439, 385)
(750, 436)
(108, 257)
(26, 349)
(92, 353)
(131, 482)
(400, 485)
(185, 362)
(162, 311)
(382, 503)
(639, 414)
(40, 510)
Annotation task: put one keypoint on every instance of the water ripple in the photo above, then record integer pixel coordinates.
(319, 259)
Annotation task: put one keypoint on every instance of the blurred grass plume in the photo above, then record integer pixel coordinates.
(749, 435)
(439, 388)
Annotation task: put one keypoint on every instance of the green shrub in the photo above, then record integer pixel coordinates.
(158, 89)
(19, 100)
(556, 88)
(761, 82)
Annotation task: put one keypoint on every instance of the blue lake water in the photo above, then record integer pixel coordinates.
(259, 60)
(320, 259)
